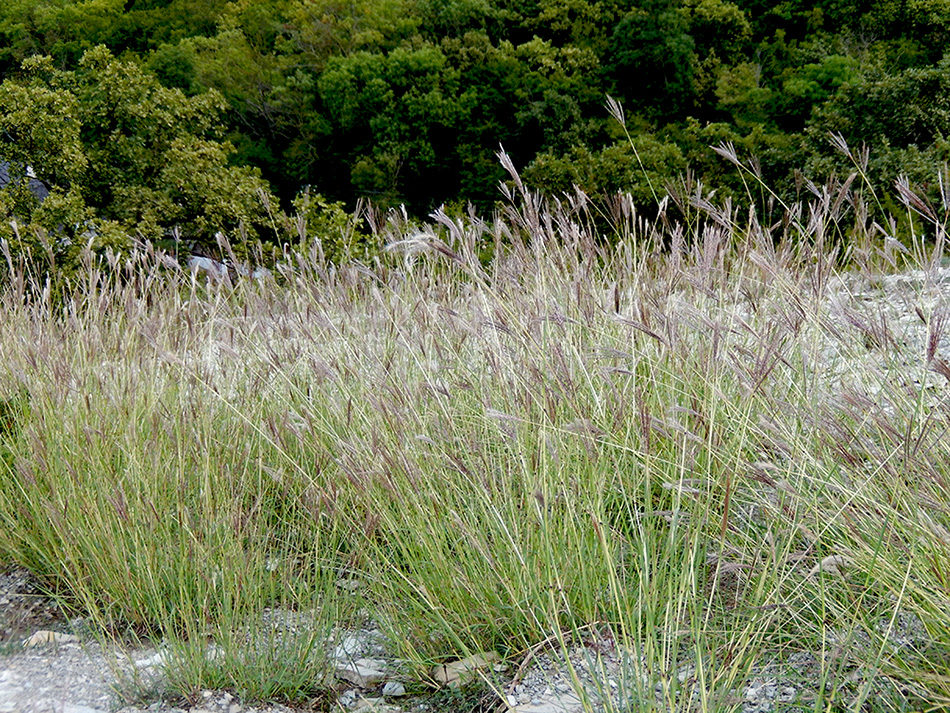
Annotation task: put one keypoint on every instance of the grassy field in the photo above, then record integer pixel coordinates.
(702, 437)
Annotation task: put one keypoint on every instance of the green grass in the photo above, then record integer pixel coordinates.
(659, 436)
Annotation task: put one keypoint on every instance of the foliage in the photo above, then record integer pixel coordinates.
(643, 168)
(66, 29)
(407, 101)
(327, 229)
(115, 146)
(910, 107)
(393, 115)
(718, 27)
(650, 60)
(815, 83)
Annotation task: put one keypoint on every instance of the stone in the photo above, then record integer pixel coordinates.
(373, 705)
(348, 697)
(458, 673)
(393, 689)
(350, 585)
(834, 565)
(42, 637)
(561, 704)
(155, 660)
(364, 673)
(348, 647)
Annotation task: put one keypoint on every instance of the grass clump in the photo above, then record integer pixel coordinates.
(687, 458)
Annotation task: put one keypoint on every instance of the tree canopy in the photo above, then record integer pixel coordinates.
(118, 149)
(160, 113)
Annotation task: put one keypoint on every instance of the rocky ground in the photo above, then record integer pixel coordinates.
(49, 665)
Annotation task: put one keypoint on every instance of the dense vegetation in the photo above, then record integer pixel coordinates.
(718, 457)
(198, 106)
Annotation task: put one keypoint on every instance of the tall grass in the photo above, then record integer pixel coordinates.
(699, 447)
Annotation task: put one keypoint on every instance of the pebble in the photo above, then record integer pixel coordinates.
(364, 673)
(456, 674)
(394, 689)
(44, 637)
(35, 679)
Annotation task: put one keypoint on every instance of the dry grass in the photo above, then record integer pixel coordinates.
(700, 437)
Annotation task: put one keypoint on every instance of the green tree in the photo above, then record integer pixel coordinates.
(923, 25)
(559, 96)
(490, 78)
(650, 60)
(811, 85)
(174, 66)
(741, 93)
(582, 23)
(65, 29)
(117, 148)
(643, 169)
(910, 107)
(390, 120)
(902, 119)
(269, 95)
(441, 18)
(321, 29)
(718, 27)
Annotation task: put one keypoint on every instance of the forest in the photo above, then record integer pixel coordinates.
(205, 116)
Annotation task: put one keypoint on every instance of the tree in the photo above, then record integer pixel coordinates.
(558, 95)
(741, 93)
(650, 60)
(441, 18)
(643, 169)
(718, 27)
(268, 95)
(321, 29)
(902, 120)
(65, 29)
(390, 120)
(910, 107)
(582, 23)
(813, 84)
(117, 148)
(490, 78)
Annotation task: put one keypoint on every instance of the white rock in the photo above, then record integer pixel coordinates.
(833, 565)
(42, 637)
(457, 673)
(347, 698)
(70, 708)
(364, 673)
(563, 704)
(155, 660)
(350, 585)
(374, 705)
(350, 645)
(213, 268)
(394, 689)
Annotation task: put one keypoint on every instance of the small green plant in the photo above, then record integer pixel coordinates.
(329, 229)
